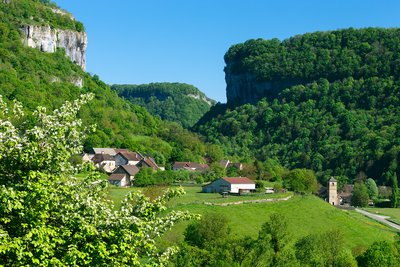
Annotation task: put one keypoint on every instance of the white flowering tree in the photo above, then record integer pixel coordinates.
(50, 218)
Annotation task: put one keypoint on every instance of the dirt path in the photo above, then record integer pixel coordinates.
(249, 201)
(379, 218)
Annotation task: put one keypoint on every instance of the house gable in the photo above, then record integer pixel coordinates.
(119, 179)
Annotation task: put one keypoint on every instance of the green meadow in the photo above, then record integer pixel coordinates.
(393, 213)
(305, 214)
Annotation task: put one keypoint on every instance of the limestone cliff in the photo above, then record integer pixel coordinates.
(245, 88)
(48, 40)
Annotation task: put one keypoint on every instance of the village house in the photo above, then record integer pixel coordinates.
(104, 162)
(345, 194)
(127, 158)
(190, 166)
(122, 163)
(232, 185)
(86, 157)
(124, 175)
(148, 162)
(119, 179)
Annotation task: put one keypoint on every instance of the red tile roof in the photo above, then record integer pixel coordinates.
(238, 180)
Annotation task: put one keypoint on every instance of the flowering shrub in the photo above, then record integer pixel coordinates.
(50, 218)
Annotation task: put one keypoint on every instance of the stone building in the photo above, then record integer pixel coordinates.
(332, 192)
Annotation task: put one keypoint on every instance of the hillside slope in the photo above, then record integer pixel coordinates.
(46, 76)
(306, 215)
(342, 116)
(177, 102)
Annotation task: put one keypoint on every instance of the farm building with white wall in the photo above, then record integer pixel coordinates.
(233, 185)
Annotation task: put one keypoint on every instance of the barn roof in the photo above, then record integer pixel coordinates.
(238, 180)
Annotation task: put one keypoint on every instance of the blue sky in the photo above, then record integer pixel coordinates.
(135, 42)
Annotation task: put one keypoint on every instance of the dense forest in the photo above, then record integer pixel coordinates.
(341, 120)
(333, 55)
(35, 78)
(177, 102)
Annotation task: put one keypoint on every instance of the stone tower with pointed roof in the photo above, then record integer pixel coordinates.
(332, 192)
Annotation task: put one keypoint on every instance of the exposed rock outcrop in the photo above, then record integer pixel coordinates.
(75, 80)
(245, 88)
(205, 99)
(48, 40)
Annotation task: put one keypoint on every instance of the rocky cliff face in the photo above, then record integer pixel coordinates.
(205, 99)
(245, 88)
(48, 40)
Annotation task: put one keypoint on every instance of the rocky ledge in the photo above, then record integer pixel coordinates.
(48, 40)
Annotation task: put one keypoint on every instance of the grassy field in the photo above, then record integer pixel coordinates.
(306, 215)
(193, 196)
(392, 212)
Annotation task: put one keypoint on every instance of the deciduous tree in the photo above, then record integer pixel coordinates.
(50, 218)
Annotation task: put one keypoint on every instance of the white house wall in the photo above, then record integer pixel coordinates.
(236, 187)
(107, 166)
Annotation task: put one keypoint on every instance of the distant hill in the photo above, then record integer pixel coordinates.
(42, 57)
(327, 101)
(178, 102)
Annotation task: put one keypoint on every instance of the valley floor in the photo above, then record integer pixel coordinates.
(305, 214)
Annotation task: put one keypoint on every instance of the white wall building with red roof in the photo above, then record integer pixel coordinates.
(233, 185)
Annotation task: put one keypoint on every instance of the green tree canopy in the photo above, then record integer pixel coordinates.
(372, 188)
(360, 195)
(380, 253)
(211, 228)
(301, 181)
